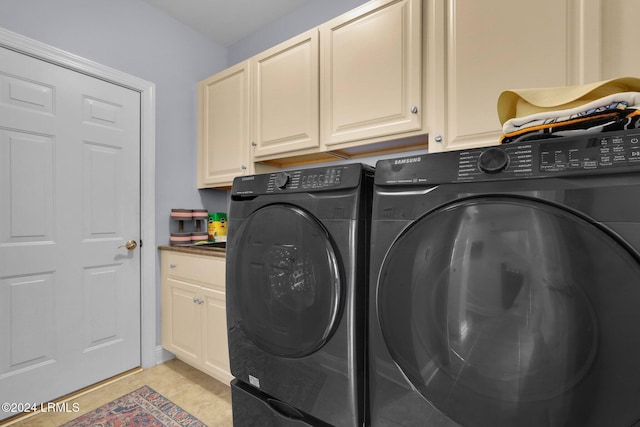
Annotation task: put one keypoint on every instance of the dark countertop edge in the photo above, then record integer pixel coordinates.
(217, 252)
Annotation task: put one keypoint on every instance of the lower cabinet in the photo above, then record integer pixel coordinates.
(194, 325)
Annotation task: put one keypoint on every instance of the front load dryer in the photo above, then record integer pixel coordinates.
(505, 286)
(297, 251)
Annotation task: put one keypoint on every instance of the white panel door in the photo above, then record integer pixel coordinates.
(69, 197)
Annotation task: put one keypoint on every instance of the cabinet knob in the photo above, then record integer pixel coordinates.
(438, 138)
(243, 167)
(414, 109)
(253, 144)
(172, 266)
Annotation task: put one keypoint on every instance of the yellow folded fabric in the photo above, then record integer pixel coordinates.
(524, 102)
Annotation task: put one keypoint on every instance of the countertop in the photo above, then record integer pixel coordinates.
(209, 251)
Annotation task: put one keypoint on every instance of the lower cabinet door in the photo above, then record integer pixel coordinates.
(215, 357)
(182, 323)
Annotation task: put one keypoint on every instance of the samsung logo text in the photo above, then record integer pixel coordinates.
(407, 160)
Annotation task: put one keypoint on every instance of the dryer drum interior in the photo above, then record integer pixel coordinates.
(505, 311)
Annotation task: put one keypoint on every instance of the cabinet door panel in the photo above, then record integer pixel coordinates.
(285, 96)
(183, 320)
(620, 35)
(223, 138)
(492, 46)
(216, 350)
(371, 72)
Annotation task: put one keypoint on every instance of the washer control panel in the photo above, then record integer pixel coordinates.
(602, 152)
(552, 157)
(608, 152)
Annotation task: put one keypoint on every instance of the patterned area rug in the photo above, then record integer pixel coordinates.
(143, 407)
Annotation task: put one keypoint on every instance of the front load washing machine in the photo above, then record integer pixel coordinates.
(505, 286)
(297, 250)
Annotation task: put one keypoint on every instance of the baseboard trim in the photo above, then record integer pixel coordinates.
(163, 355)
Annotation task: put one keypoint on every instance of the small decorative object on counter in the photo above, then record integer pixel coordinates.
(200, 216)
(217, 227)
(181, 215)
(187, 234)
(197, 227)
(199, 236)
(180, 239)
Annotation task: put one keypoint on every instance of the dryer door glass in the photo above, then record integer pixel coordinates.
(287, 288)
(506, 311)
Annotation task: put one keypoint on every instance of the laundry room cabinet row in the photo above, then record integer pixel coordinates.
(194, 322)
(352, 82)
(265, 105)
(391, 75)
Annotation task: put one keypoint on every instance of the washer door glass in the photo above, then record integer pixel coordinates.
(513, 312)
(288, 288)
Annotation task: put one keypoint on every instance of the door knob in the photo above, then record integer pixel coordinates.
(130, 245)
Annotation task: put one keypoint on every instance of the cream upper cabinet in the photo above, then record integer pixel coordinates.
(284, 96)
(619, 34)
(223, 127)
(477, 49)
(371, 73)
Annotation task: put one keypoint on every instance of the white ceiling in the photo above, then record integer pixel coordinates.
(227, 21)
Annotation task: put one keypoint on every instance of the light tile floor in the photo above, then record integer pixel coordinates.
(197, 393)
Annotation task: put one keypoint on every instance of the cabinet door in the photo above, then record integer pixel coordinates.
(285, 97)
(491, 46)
(370, 73)
(215, 357)
(223, 127)
(620, 35)
(182, 319)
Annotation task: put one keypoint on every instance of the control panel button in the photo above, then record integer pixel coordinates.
(282, 179)
(493, 160)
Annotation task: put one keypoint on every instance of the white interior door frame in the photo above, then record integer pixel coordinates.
(25, 45)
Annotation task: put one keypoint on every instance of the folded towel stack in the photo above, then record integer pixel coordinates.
(528, 114)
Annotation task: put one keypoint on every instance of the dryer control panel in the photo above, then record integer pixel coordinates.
(301, 180)
(610, 152)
